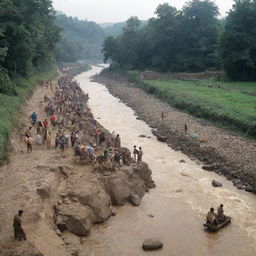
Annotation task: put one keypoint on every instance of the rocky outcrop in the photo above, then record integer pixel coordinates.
(130, 182)
(86, 203)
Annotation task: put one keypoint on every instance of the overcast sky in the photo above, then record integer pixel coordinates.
(103, 11)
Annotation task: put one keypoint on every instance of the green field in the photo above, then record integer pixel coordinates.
(232, 104)
(9, 106)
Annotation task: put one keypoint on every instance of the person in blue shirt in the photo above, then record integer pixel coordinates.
(34, 118)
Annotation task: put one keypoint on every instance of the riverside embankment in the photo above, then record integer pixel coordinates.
(175, 210)
(61, 197)
(219, 150)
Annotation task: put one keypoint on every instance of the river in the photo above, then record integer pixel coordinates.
(178, 204)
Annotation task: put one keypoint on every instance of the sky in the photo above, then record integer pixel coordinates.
(105, 11)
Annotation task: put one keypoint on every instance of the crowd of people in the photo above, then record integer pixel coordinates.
(71, 124)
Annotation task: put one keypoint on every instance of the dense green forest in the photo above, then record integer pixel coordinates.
(189, 40)
(27, 38)
(80, 40)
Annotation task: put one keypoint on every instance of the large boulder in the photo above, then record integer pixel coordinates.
(92, 195)
(142, 170)
(118, 187)
(129, 184)
(78, 219)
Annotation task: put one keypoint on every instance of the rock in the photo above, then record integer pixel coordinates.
(93, 196)
(182, 161)
(135, 199)
(249, 188)
(216, 183)
(152, 184)
(65, 171)
(152, 244)
(44, 190)
(113, 211)
(66, 201)
(210, 168)
(151, 215)
(118, 188)
(142, 136)
(71, 239)
(58, 232)
(60, 224)
(159, 136)
(78, 220)
(127, 153)
(107, 173)
(142, 169)
(59, 202)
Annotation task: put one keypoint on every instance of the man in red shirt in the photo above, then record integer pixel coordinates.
(53, 120)
(45, 123)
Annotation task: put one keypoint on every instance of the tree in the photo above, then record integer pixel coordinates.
(30, 35)
(161, 38)
(199, 39)
(238, 44)
(185, 40)
(110, 49)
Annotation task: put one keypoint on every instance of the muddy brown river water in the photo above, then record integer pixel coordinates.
(179, 203)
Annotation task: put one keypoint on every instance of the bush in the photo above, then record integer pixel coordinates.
(6, 86)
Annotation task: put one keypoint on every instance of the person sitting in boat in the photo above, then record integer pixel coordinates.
(221, 216)
(212, 217)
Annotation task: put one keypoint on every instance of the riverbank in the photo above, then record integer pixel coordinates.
(219, 150)
(10, 105)
(62, 198)
(209, 96)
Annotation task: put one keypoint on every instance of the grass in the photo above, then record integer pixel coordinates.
(10, 105)
(232, 104)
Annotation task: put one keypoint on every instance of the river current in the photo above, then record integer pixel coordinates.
(178, 204)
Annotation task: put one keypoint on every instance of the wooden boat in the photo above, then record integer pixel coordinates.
(214, 228)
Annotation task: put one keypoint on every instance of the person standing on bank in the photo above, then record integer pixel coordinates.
(140, 154)
(19, 233)
(135, 153)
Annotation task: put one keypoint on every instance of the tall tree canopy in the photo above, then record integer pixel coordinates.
(29, 34)
(185, 40)
(239, 41)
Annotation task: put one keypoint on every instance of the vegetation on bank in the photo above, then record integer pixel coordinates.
(10, 105)
(231, 104)
(192, 39)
